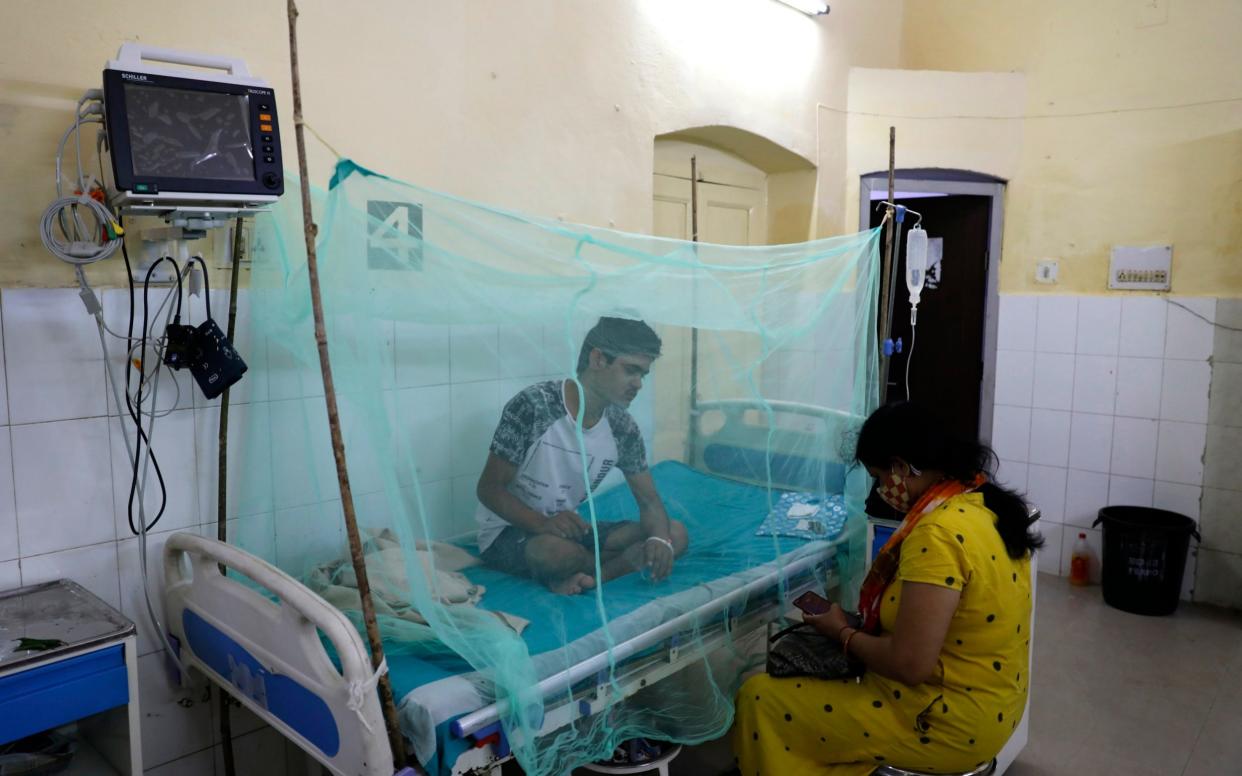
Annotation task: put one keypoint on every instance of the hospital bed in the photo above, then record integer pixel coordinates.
(266, 645)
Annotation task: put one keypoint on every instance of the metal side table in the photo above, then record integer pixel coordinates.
(66, 656)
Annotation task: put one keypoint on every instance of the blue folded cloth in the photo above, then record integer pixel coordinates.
(806, 516)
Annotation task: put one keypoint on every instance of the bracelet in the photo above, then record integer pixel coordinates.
(843, 627)
(665, 542)
(845, 646)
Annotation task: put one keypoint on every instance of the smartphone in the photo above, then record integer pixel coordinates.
(812, 603)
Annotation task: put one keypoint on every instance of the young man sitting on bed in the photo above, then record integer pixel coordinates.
(533, 485)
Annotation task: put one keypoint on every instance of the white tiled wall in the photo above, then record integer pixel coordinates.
(1220, 559)
(64, 486)
(1099, 401)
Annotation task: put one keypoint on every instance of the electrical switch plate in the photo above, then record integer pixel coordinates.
(1146, 268)
(1046, 271)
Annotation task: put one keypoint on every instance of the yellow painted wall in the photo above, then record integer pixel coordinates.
(926, 108)
(545, 105)
(1080, 184)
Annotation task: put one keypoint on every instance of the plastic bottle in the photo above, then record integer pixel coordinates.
(1080, 562)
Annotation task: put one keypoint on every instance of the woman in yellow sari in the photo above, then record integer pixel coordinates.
(946, 611)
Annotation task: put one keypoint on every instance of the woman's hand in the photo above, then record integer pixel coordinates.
(830, 623)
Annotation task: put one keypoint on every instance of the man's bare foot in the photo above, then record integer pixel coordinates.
(573, 584)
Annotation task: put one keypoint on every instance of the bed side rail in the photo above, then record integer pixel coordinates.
(269, 653)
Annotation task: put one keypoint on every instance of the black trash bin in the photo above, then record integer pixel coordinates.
(1144, 558)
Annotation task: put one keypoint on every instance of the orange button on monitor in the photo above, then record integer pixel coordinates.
(265, 117)
(265, 127)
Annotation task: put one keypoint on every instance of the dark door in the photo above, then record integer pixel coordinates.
(946, 369)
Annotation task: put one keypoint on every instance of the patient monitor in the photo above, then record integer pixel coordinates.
(189, 130)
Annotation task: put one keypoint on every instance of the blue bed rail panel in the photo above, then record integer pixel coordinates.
(293, 704)
(52, 695)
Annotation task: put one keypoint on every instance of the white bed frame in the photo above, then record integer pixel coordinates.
(283, 639)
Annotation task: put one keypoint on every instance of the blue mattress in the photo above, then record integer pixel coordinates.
(721, 516)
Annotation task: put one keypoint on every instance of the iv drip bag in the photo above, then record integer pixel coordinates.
(916, 264)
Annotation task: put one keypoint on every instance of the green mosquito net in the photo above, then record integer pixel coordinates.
(709, 416)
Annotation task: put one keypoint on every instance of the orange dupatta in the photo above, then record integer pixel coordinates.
(884, 567)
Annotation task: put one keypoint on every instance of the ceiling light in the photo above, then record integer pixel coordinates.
(809, 7)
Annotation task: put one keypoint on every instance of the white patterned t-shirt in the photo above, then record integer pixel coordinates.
(538, 436)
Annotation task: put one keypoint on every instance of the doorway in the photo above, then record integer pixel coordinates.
(952, 364)
(732, 195)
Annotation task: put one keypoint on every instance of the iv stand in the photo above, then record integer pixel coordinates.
(887, 288)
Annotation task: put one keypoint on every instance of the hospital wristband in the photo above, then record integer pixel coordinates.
(665, 542)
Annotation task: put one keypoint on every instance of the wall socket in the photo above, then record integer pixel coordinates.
(1047, 271)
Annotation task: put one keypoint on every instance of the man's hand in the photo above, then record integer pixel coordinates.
(658, 557)
(830, 623)
(567, 525)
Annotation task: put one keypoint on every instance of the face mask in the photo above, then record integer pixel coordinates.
(892, 489)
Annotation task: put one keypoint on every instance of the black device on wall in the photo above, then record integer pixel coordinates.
(177, 138)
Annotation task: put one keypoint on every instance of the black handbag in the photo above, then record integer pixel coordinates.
(800, 650)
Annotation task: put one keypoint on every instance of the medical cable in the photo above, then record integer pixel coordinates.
(136, 409)
(80, 247)
(910, 357)
(156, 623)
(80, 244)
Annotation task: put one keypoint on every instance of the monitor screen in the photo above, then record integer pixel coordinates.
(178, 133)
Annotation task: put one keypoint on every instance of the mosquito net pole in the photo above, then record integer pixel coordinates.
(886, 287)
(693, 437)
(334, 419)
